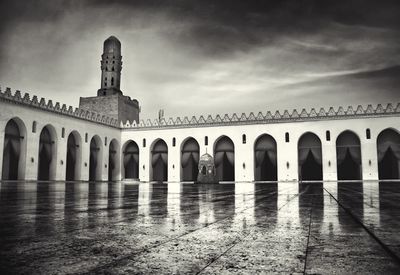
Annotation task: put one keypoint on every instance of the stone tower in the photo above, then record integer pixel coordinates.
(110, 100)
(111, 66)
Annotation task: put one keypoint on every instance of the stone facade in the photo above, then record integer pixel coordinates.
(366, 119)
(117, 106)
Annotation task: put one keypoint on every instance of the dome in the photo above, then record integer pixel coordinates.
(206, 158)
(112, 44)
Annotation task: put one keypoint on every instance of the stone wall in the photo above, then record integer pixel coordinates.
(287, 152)
(117, 106)
(45, 114)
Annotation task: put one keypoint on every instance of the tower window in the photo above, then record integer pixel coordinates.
(34, 127)
(106, 62)
(244, 139)
(173, 142)
(286, 137)
(113, 62)
(112, 69)
(206, 140)
(105, 78)
(328, 135)
(86, 137)
(144, 142)
(368, 133)
(112, 81)
(63, 132)
(105, 83)
(105, 141)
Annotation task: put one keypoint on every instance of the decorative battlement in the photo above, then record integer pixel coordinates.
(202, 121)
(267, 118)
(48, 106)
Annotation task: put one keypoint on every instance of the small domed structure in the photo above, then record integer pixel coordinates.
(207, 173)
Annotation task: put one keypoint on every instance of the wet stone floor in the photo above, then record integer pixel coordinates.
(242, 228)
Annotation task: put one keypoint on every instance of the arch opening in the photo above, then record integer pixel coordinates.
(388, 145)
(159, 161)
(95, 161)
(310, 157)
(348, 156)
(113, 161)
(131, 161)
(14, 150)
(190, 154)
(224, 158)
(73, 167)
(265, 159)
(47, 154)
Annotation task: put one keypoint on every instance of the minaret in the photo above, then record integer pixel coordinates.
(109, 100)
(111, 66)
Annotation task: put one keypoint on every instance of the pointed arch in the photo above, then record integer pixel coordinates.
(388, 151)
(159, 161)
(14, 150)
(113, 160)
(224, 157)
(348, 156)
(47, 158)
(74, 157)
(130, 160)
(309, 157)
(265, 158)
(190, 153)
(95, 159)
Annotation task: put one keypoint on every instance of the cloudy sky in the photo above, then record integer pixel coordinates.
(207, 56)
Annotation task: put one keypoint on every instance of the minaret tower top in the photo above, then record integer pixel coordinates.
(111, 66)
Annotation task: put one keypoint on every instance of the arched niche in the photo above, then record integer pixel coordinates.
(265, 158)
(388, 148)
(47, 157)
(309, 157)
(113, 161)
(348, 156)
(190, 153)
(95, 159)
(224, 158)
(74, 157)
(130, 160)
(159, 161)
(14, 150)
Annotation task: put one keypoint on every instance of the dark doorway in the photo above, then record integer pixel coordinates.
(265, 168)
(310, 157)
(46, 149)
(190, 160)
(72, 158)
(224, 157)
(11, 151)
(95, 159)
(388, 144)
(159, 161)
(348, 156)
(112, 160)
(131, 160)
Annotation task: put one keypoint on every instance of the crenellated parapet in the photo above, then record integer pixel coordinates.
(203, 121)
(49, 106)
(268, 117)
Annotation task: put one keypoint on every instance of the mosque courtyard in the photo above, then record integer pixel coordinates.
(178, 228)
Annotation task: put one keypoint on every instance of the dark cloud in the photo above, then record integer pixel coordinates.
(193, 57)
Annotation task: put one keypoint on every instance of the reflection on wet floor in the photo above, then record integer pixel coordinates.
(67, 227)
